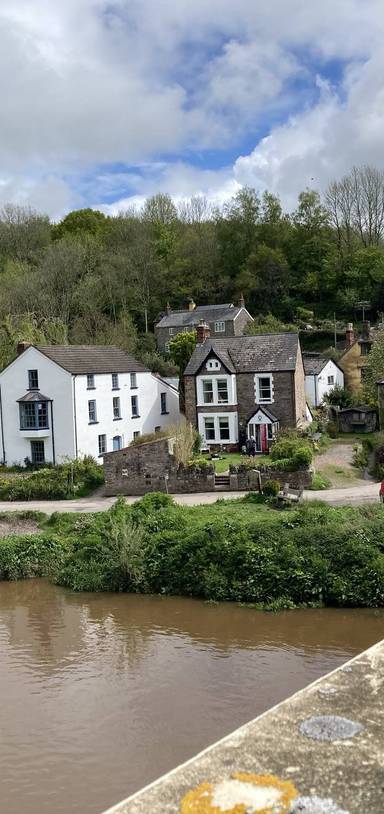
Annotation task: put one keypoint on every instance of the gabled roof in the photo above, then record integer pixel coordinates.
(211, 313)
(82, 359)
(248, 354)
(261, 409)
(313, 365)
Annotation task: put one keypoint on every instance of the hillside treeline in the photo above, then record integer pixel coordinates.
(93, 278)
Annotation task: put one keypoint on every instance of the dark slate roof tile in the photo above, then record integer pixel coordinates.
(82, 359)
(248, 354)
(211, 313)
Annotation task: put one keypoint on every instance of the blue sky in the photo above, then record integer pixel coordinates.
(105, 103)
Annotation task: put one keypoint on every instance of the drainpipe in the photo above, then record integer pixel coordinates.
(74, 414)
(2, 427)
(53, 435)
(316, 393)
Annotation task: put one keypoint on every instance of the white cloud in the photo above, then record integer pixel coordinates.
(95, 83)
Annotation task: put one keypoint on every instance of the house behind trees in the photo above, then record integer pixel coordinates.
(223, 320)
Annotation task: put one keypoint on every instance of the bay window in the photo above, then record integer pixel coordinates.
(224, 429)
(34, 415)
(209, 429)
(215, 391)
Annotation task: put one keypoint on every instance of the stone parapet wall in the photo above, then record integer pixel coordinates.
(243, 479)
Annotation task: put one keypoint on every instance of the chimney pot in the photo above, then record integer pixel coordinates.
(203, 332)
(22, 346)
(241, 300)
(191, 305)
(168, 309)
(366, 330)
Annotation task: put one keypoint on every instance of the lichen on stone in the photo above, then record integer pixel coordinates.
(316, 805)
(329, 728)
(241, 794)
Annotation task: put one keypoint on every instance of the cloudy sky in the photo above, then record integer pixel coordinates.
(103, 103)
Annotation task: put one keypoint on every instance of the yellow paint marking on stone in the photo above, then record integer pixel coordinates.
(241, 794)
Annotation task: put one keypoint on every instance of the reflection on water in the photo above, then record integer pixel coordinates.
(101, 693)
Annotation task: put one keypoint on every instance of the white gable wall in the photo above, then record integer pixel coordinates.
(56, 384)
(316, 387)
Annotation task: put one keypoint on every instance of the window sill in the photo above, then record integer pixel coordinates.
(119, 418)
(33, 429)
(91, 388)
(115, 388)
(164, 412)
(135, 416)
(93, 422)
(136, 387)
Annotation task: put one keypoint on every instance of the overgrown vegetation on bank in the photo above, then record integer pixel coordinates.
(75, 478)
(241, 551)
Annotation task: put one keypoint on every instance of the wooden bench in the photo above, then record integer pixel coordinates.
(288, 495)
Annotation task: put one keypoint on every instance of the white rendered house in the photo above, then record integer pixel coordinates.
(321, 376)
(61, 401)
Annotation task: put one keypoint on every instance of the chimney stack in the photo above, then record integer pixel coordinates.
(21, 347)
(203, 332)
(168, 309)
(349, 335)
(191, 305)
(241, 300)
(366, 329)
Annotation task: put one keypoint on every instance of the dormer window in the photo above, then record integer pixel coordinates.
(33, 380)
(213, 364)
(219, 327)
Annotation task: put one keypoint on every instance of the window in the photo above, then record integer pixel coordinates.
(166, 347)
(270, 435)
(331, 380)
(163, 400)
(208, 391)
(263, 389)
(117, 442)
(213, 364)
(116, 407)
(224, 429)
(171, 331)
(115, 381)
(134, 406)
(222, 391)
(34, 415)
(136, 435)
(37, 452)
(90, 381)
(102, 444)
(133, 381)
(157, 429)
(219, 327)
(92, 414)
(33, 380)
(365, 348)
(209, 429)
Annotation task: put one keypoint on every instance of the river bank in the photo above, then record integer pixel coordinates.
(240, 551)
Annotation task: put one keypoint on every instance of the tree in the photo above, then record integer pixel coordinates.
(80, 222)
(181, 348)
(264, 278)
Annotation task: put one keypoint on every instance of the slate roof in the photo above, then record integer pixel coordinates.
(211, 313)
(313, 365)
(33, 395)
(82, 359)
(248, 354)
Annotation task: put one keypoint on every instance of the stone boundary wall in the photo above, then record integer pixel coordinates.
(321, 750)
(151, 467)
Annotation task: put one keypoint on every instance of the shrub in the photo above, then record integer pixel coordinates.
(332, 429)
(271, 488)
(73, 478)
(31, 555)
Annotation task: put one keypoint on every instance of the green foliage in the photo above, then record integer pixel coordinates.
(80, 222)
(31, 555)
(332, 429)
(71, 479)
(271, 488)
(291, 452)
(320, 482)
(374, 368)
(309, 555)
(340, 397)
(268, 324)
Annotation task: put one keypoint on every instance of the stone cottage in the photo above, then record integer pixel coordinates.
(242, 387)
(223, 320)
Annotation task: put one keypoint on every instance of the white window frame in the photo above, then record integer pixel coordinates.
(136, 402)
(90, 381)
(258, 399)
(133, 381)
(214, 381)
(330, 380)
(171, 331)
(166, 347)
(116, 406)
(232, 418)
(224, 440)
(220, 327)
(212, 419)
(102, 442)
(93, 411)
(115, 381)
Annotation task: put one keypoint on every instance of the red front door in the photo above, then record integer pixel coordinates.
(263, 433)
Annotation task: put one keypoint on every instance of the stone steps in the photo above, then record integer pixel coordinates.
(222, 482)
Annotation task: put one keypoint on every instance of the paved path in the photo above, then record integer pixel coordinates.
(352, 495)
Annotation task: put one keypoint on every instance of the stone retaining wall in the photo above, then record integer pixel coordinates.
(243, 479)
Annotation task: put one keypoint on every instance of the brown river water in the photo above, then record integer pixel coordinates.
(102, 693)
